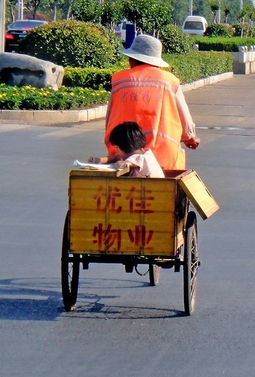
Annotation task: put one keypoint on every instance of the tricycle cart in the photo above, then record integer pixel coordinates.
(133, 221)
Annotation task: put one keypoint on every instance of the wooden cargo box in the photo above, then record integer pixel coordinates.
(133, 216)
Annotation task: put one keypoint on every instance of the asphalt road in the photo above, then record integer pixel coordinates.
(122, 326)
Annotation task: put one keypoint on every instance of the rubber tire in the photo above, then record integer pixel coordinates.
(70, 268)
(154, 273)
(190, 264)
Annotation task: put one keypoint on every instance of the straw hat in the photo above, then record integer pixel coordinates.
(146, 49)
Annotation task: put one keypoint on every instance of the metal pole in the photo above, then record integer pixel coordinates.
(20, 9)
(190, 7)
(219, 13)
(241, 4)
(2, 25)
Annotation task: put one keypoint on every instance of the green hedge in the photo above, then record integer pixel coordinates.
(82, 83)
(197, 65)
(223, 44)
(94, 78)
(73, 43)
(188, 67)
(174, 40)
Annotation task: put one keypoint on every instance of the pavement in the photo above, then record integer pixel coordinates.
(227, 105)
(52, 117)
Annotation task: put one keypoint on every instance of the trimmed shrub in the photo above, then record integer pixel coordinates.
(188, 67)
(223, 44)
(94, 78)
(174, 40)
(196, 65)
(219, 30)
(73, 43)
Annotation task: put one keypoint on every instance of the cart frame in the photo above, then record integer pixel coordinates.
(160, 233)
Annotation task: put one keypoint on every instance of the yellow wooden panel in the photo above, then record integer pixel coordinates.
(84, 182)
(121, 194)
(123, 215)
(198, 194)
(122, 201)
(150, 232)
(85, 242)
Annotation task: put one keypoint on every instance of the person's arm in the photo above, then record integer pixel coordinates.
(103, 160)
(189, 137)
(108, 110)
(120, 164)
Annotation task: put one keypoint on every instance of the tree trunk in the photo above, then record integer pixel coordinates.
(55, 13)
(69, 10)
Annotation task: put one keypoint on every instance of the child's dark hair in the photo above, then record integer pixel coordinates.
(128, 136)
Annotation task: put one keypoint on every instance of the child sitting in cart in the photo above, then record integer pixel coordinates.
(129, 141)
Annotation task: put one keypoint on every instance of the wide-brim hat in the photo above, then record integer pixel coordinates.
(146, 49)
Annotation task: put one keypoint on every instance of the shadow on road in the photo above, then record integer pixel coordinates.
(99, 304)
(39, 299)
(30, 299)
(96, 310)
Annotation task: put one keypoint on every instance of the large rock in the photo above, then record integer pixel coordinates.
(20, 69)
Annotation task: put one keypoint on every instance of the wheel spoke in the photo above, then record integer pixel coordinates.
(191, 264)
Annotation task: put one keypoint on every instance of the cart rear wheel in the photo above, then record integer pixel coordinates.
(190, 264)
(70, 265)
(154, 272)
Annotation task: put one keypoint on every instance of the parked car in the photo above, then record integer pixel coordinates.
(17, 31)
(194, 25)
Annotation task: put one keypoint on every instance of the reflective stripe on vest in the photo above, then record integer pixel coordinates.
(161, 134)
(143, 83)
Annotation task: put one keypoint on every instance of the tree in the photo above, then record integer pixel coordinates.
(247, 15)
(34, 6)
(214, 5)
(226, 10)
(10, 7)
(55, 8)
(180, 11)
(202, 8)
(86, 10)
(148, 15)
(111, 14)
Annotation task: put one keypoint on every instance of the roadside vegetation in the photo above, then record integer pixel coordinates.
(84, 87)
(27, 97)
(88, 48)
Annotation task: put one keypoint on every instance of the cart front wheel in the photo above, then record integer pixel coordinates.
(70, 266)
(154, 272)
(190, 264)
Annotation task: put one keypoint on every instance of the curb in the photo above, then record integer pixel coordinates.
(54, 116)
(207, 81)
(96, 112)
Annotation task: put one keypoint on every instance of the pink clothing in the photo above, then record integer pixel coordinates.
(147, 165)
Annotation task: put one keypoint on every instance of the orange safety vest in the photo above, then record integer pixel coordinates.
(146, 95)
